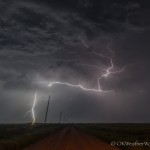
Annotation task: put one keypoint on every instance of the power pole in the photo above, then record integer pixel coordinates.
(60, 117)
(47, 110)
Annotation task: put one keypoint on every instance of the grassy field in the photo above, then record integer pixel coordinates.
(121, 133)
(18, 136)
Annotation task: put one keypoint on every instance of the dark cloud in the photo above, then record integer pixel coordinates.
(51, 40)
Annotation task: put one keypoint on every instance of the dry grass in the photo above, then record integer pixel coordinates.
(121, 132)
(16, 137)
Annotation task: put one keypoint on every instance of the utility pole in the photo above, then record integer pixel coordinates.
(47, 110)
(60, 117)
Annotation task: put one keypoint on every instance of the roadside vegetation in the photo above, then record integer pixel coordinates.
(19, 136)
(121, 133)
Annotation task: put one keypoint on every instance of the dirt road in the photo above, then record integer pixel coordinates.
(71, 139)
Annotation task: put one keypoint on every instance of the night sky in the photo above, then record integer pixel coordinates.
(43, 41)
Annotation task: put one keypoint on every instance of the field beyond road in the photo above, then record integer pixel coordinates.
(71, 138)
(94, 136)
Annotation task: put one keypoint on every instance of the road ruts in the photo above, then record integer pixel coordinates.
(71, 138)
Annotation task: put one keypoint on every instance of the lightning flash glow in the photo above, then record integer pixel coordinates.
(78, 86)
(107, 72)
(32, 109)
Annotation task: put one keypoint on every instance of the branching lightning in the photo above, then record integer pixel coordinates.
(32, 109)
(107, 72)
(78, 86)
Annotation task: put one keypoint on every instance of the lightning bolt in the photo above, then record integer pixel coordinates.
(107, 72)
(77, 86)
(32, 109)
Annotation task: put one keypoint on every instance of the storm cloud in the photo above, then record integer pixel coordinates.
(43, 41)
